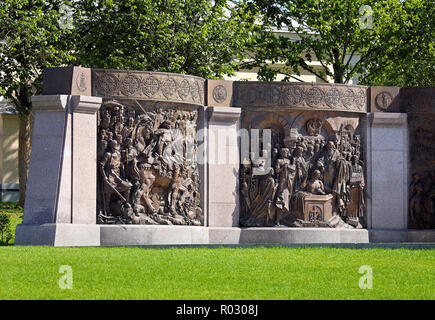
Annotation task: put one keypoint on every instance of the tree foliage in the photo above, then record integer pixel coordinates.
(197, 37)
(408, 57)
(5, 228)
(348, 38)
(32, 38)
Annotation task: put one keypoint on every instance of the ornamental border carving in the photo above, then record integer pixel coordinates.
(145, 85)
(301, 96)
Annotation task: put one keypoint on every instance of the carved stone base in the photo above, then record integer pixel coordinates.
(58, 235)
(122, 235)
(144, 235)
(136, 235)
(388, 235)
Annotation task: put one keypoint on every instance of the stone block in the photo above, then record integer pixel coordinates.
(384, 99)
(58, 234)
(354, 236)
(61, 186)
(224, 235)
(223, 214)
(219, 93)
(143, 235)
(223, 166)
(67, 80)
(388, 138)
(387, 171)
(301, 235)
(125, 235)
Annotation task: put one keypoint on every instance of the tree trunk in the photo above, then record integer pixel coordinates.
(24, 153)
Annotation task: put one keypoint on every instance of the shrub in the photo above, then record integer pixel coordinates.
(5, 228)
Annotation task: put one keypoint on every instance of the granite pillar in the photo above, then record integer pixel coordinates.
(223, 161)
(61, 191)
(387, 174)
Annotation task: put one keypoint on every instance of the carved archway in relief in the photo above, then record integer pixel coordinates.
(313, 182)
(278, 124)
(349, 124)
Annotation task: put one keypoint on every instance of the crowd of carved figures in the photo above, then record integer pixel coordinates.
(422, 186)
(273, 193)
(422, 200)
(147, 172)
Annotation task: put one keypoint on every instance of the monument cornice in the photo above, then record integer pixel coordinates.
(301, 96)
(146, 85)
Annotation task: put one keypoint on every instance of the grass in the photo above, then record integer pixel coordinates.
(16, 213)
(219, 273)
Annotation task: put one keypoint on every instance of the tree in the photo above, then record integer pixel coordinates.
(349, 38)
(198, 37)
(409, 56)
(32, 38)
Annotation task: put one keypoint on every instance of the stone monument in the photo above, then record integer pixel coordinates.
(148, 158)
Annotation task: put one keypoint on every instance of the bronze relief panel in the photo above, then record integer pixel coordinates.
(147, 166)
(314, 176)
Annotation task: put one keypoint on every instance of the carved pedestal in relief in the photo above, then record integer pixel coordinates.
(147, 168)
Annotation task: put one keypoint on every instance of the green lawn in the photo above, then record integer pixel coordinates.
(216, 273)
(212, 273)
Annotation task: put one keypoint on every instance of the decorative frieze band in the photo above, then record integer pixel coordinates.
(148, 86)
(301, 96)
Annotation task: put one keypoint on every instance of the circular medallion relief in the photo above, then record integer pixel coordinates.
(107, 83)
(361, 100)
(383, 100)
(314, 96)
(195, 91)
(348, 98)
(150, 86)
(332, 97)
(219, 94)
(130, 85)
(81, 82)
(294, 95)
(169, 87)
(184, 89)
(313, 126)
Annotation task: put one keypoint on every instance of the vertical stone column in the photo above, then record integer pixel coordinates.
(61, 194)
(223, 166)
(201, 157)
(387, 175)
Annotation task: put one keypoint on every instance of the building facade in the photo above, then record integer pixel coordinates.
(9, 131)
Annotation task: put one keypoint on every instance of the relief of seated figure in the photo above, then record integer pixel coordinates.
(315, 185)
